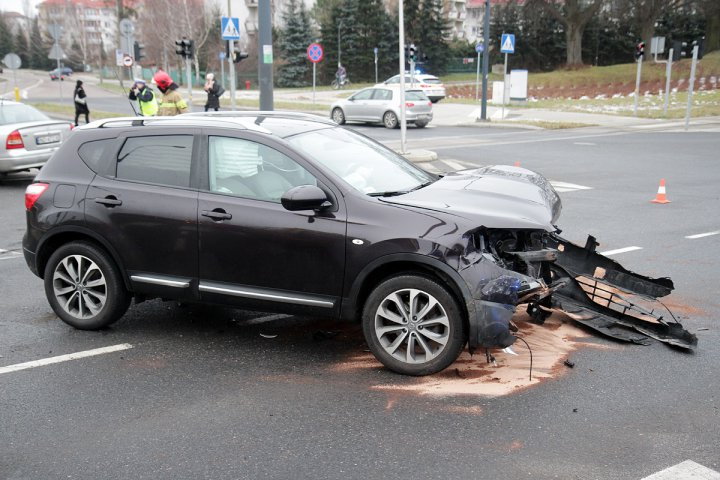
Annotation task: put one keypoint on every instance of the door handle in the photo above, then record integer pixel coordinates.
(109, 201)
(217, 214)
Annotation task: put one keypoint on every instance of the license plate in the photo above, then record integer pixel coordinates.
(422, 117)
(45, 139)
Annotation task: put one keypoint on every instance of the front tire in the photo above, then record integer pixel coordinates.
(334, 84)
(338, 116)
(84, 287)
(390, 120)
(413, 325)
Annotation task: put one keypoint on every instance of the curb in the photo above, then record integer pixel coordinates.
(419, 156)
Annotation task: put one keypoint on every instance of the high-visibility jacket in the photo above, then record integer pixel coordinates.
(148, 108)
(172, 103)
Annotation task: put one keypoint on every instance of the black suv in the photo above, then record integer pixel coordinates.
(292, 213)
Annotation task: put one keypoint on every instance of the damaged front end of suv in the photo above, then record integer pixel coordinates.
(507, 267)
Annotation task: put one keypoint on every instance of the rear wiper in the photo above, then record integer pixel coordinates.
(400, 192)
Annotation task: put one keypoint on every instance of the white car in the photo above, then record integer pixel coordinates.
(429, 84)
(382, 104)
(28, 137)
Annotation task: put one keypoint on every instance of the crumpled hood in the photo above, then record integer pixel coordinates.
(496, 196)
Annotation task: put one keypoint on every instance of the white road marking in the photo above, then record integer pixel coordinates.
(428, 167)
(265, 319)
(455, 165)
(65, 358)
(701, 235)
(11, 256)
(590, 144)
(620, 250)
(567, 187)
(2, 250)
(687, 470)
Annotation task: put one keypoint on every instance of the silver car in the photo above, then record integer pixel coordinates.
(28, 137)
(382, 104)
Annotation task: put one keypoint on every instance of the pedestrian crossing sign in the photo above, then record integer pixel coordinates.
(507, 43)
(230, 28)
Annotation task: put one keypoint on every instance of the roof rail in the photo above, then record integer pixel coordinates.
(142, 121)
(261, 113)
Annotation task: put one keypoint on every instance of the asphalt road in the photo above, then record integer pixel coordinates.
(201, 394)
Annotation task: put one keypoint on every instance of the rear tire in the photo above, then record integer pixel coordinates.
(338, 116)
(413, 325)
(84, 287)
(421, 124)
(390, 120)
(334, 84)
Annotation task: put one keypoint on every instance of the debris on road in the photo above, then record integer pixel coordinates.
(265, 335)
(569, 364)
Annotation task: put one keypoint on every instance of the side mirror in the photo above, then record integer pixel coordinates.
(351, 99)
(304, 197)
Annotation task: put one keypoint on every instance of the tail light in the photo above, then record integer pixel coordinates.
(72, 125)
(425, 85)
(429, 104)
(33, 192)
(409, 104)
(14, 140)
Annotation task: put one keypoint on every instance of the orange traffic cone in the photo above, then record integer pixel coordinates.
(660, 197)
(517, 164)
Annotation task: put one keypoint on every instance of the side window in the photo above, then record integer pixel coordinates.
(363, 95)
(253, 170)
(92, 153)
(382, 94)
(162, 159)
(394, 80)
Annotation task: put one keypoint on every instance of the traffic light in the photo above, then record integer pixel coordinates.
(678, 50)
(185, 48)
(412, 52)
(640, 50)
(139, 51)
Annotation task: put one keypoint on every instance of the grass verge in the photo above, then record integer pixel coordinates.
(69, 111)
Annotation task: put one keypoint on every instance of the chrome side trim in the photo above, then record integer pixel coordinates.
(261, 294)
(165, 282)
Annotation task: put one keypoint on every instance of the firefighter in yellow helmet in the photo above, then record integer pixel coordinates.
(171, 102)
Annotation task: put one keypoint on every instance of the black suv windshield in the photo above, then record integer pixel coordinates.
(366, 166)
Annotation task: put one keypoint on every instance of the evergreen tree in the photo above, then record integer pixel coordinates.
(38, 54)
(21, 48)
(294, 39)
(433, 42)
(6, 40)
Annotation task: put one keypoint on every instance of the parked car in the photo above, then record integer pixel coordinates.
(382, 105)
(430, 84)
(28, 137)
(291, 213)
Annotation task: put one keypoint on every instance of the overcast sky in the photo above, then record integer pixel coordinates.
(17, 6)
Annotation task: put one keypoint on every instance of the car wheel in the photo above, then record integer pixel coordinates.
(413, 325)
(338, 116)
(390, 120)
(84, 287)
(435, 101)
(421, 124)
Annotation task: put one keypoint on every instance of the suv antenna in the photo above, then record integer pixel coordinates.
(126, 94)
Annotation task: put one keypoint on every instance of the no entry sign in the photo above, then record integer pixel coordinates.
(315, 52)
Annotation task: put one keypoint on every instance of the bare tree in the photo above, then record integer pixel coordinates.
(574, 15)
(165, 21)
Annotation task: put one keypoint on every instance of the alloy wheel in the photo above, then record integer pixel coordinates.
(412, 326)
(79, 286)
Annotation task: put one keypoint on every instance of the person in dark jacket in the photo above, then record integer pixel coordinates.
(213, 93)
(80, 99)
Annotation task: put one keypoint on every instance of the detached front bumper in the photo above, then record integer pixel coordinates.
(593, 290)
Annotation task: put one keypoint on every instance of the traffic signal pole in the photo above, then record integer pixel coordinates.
(265, 54)
(403, 126)
(486, 60)
(231, 65)
(637, 83)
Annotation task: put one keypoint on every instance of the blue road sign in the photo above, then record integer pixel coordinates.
(315, 52)
(230, 28)
(221, 55)
(507, 43)
(479, 48)
(375, 50)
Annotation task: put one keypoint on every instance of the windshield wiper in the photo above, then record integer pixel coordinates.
(400, 192)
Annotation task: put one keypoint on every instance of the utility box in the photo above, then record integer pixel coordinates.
(518, 85)
(497, 93)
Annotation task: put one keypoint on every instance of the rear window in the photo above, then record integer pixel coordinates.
(416, 95)
(160, 159)
(92, 153)
(10, 114)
